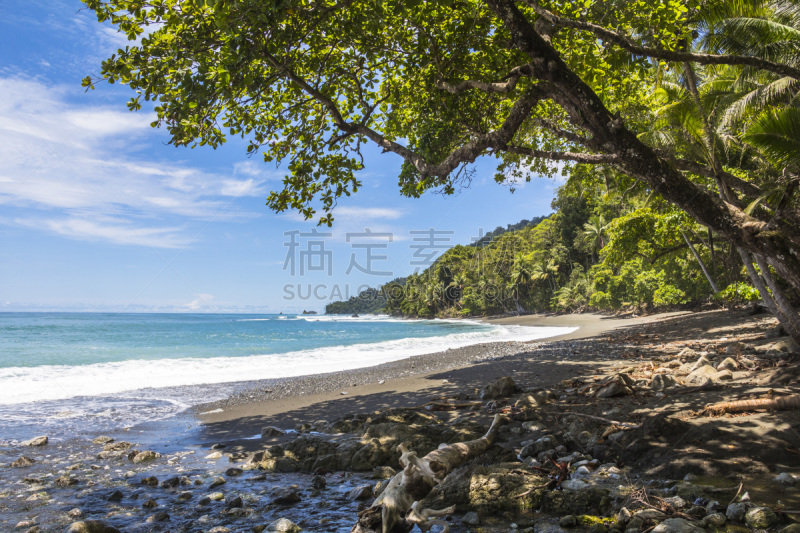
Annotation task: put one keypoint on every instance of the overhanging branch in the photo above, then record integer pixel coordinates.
(656, 53)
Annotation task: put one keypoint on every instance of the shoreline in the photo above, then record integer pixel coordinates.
(289, 402)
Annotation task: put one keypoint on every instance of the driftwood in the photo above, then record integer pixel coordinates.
(625, 425)
(784, 403)
(388, 514)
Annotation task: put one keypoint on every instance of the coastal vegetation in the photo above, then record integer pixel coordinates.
(690, 104)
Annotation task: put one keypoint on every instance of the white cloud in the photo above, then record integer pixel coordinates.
(81, 159)
(368, 213)
(249, 187)
(202, 301)
(116, 231)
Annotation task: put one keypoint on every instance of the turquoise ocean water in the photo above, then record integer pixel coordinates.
(59, 371)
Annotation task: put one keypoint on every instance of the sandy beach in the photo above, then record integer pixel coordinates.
(412, 381)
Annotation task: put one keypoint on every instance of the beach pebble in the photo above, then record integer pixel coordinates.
(662, 381)
(736, 511)
(728, 364)
(319, 482)
(147, 455)
(184, 496)
(677, 525)
(75, 513)
(151, 481)
(614, 390)
(499, 388)
(216, 496)
(568, 521)
(383, 472)
(213, 456)
(120, 446)
(170, 483)
(217, 482)
(234, 502)
(91, 526)
(471, 519)
(362, 492)
(158, 517)
(102, 439)
(115, 496)
(36, 441)
(149, 504)
(715, 519)
(761, 518)
(22, 462)
(787, 479)
(234, 472)
(218, 446)
(284, 525)
(272, 431)
(286, 497)
(381, 382)
(64, 481)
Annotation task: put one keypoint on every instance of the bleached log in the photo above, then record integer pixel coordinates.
(388, 514)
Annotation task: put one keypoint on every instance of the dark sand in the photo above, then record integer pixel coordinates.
(413, 381)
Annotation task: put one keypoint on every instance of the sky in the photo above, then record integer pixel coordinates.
(99, 213)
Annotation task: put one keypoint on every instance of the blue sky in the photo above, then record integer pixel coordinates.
(97, 212)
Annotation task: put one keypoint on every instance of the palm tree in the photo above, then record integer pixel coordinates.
(594, 230)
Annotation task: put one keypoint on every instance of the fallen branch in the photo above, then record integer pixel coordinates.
(626, 425)
(388, 513)
(784, 403)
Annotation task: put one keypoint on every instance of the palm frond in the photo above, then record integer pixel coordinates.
(777, 134)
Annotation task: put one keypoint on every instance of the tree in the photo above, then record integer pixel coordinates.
(439, 84)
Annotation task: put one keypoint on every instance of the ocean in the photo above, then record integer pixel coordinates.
(68, 373)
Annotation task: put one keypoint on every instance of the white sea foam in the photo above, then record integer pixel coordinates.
(55, 382)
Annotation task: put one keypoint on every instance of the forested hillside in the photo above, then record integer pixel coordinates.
(609, 245)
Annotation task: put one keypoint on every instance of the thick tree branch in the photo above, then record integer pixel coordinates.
(591, 159)
(732, 181)
(497, 87)
(667, 55)
(586, 110)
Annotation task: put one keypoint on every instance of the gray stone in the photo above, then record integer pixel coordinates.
(383, 472)
(677, 525)
(728, 364)
(715, 519)
(184, 496)
(234, 472)
(650, 514)
(23, 462)
(171, 483)
(362, 492)
(319, 482)
(736, 511)
(216, 496)
(272, 431)
(548, 442)
(286, 497)
(36, 441)
(499, 388)
(568, 521)
(614, 390)
(147, 455)
(102, 439)
(120, 446)
(160, 516)
(471, 519)
(217, 482)
(791, 528)
(623, 516)
(115, 496)
(722, 375)
(151, 481)
(65, 481)
(234, 502)
(284, 525)
(150, 504)
(91, 526)
(701, 362)
(761, 518)
(701, 374)
(662, 381)
(786, 478)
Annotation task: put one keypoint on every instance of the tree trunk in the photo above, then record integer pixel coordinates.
(791, 319)
(388, 513)
(609, 135)
(702, 265)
